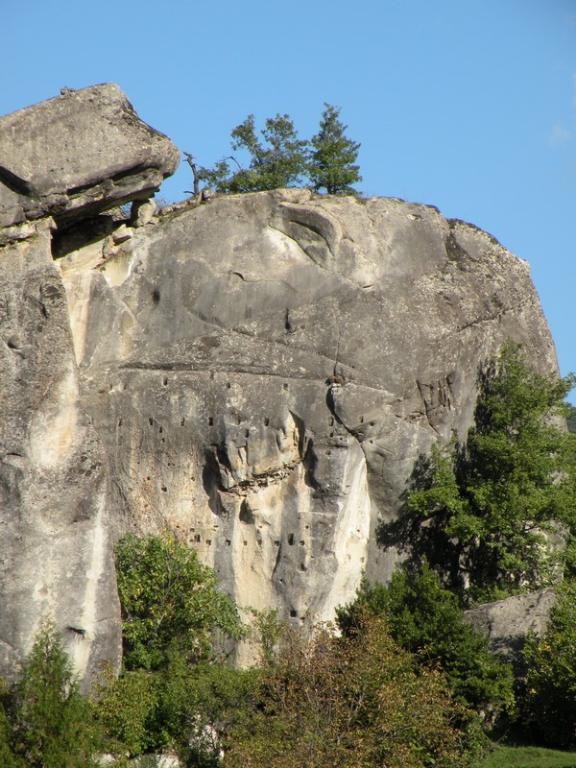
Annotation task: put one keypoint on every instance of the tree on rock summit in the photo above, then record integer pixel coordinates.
(332, 161)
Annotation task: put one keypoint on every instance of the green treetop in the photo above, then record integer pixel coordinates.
(279, 160)
(332, 160)
(170, 601)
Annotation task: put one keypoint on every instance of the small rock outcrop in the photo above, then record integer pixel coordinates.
(507, 623)
(258, 373)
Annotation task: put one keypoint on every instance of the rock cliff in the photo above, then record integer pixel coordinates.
(258, 373)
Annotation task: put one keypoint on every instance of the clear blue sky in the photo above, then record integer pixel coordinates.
(466, 104)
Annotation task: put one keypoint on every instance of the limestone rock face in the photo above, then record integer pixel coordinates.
(80, 152)
(257, 373)
(55, 549)
(264, 370)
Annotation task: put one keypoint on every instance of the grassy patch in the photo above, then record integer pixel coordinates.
(528, 757)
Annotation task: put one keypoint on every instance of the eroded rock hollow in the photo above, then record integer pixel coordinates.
(258, 373)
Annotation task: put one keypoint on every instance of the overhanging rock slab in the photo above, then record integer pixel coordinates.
(77, 154)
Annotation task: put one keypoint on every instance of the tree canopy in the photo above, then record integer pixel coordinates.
(495, 507)
(427, 620)
(279, 158)
(334, 702)
(332, 165)
(169, 601)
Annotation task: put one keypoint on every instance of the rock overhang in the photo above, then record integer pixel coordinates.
(78, 154)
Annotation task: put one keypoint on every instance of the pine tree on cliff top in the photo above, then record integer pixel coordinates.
(332, 162)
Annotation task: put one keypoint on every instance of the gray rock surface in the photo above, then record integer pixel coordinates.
(257, 373)
(78, 153)
(55, 548)
(507, 623)
(264, 371)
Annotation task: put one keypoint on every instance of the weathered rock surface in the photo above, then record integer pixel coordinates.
(258, 373)
(264, 371)
(55, 552)
(78, 153)
(507, 623)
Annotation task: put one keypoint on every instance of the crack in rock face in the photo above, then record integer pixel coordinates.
(258, 373)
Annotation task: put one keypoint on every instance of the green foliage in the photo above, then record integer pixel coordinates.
(571, 418)
(550, 700)
(427, 620)
(332, 160)
(52, 723)
(350, 700)
(169, 601)
(186, 709)
(172, 694)
(7, 757)
(276, 160)
(491, 506)
(269, 630)
(126, 710)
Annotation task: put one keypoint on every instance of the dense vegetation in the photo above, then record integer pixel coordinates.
(488, 514)
(427, 620)
(281, 159)
(406, 682)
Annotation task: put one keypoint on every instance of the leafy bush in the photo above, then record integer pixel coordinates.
(550, 698)
(172, 692)
(427, 620)
(351, 700)
(52, 723)
(186, 709)
(126, 709)
(169, 601)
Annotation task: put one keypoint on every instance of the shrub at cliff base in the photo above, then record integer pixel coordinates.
(355, 700)
(172, 612)
(427, 620)
(49, 723)
(550, 697)
(170, 601)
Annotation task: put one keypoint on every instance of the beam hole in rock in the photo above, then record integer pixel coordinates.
(246, 515)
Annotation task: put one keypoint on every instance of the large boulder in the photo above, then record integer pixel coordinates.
(78, 153)
(265, 370)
